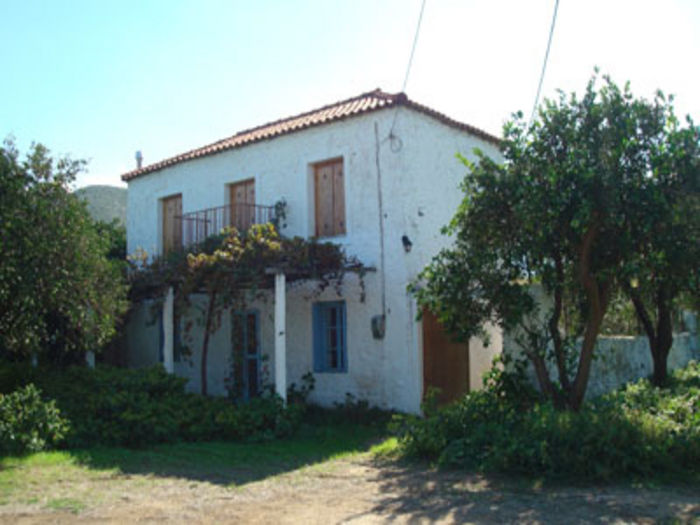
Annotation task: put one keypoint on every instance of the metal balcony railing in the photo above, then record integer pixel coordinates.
(198, 225)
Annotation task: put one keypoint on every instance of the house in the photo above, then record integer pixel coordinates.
(376, 174)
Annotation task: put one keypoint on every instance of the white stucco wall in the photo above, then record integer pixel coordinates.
(142, 336)
(420, 190)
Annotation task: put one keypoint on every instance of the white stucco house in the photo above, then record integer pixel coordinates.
(376, 174)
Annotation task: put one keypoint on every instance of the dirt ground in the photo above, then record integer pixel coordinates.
(352, 490)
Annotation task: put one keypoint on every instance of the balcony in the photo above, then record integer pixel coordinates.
(198, 225)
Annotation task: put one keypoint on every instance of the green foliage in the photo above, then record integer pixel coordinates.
(638, 431)
(136, 407)
(27, 423)
(351, 411)
(567, 209)
(234, 266)
(59, 293)
(115, 234)
(300, 394)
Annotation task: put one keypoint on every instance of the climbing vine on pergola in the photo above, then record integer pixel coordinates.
(232, 268)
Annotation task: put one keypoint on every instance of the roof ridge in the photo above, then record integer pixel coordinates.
(376, 92)
(363, 103)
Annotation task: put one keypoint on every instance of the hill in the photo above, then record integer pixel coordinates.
(105, 203)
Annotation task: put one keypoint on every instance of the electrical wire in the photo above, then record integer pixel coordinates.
(410, 62)
(544, 64)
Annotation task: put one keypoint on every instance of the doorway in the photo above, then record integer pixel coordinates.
(245, 332)
(445, 361)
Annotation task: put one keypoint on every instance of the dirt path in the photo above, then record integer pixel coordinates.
(356, 490)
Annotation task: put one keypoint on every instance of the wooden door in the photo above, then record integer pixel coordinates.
(172, 223)
(242, 199)
(445, 362)
(329, 198)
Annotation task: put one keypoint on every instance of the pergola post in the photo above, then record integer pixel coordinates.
(280, 336)
(168, 343)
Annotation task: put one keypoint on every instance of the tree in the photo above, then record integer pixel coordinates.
(59, 294)
(665, 261)
(560, 211)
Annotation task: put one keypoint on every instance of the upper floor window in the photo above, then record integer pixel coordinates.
(172, 223)
(329, 198)
(242, 204)
(330, 354)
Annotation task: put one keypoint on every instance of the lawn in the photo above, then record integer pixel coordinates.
(326, 473)
(71, 479)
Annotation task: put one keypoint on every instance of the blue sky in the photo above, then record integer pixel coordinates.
(101, 79)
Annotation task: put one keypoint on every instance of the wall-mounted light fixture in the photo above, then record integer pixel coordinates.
(407, 244)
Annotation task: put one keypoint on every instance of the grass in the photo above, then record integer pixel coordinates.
(72, 480)
(69, 504)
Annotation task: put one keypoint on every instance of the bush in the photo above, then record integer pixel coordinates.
(136, 407)
(352, 411)
(28, 424)
(638, 431)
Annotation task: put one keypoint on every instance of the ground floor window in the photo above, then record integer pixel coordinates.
(329, 327)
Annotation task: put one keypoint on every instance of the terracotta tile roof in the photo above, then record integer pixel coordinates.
(365, 103)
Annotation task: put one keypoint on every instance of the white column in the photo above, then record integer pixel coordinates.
(280, 336)
(90, 359)
(168, 331)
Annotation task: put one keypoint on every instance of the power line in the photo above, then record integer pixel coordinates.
(410, 62)
(544, 64)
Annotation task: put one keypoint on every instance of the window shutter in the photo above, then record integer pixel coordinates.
(172, 223)
(342, 342)
(319, 331)
(338, 199)
(324, 201)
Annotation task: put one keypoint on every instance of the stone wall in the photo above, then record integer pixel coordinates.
(622, 359)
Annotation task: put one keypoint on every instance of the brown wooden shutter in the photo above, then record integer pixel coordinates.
(172, 223)
(338, 199)
(324, 200)
(329, 198)
(242, 198)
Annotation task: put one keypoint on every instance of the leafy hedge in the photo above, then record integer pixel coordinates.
(136, 407)
(27, 423)
(638, 431)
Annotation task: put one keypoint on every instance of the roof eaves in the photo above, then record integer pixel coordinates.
(359, 105)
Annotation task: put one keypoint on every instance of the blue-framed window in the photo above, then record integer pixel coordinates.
(329, 327)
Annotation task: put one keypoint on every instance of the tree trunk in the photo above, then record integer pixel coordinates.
(598, 295)
(664, 338)
(205, 343)
(660, 336)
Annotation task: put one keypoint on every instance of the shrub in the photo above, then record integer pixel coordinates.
(637, 431)
(28, 424)
(136, 407)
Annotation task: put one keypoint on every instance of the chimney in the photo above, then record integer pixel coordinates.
(139, 160)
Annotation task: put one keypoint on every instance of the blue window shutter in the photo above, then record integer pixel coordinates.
(318, 331)
(322, 314)
(342, 347)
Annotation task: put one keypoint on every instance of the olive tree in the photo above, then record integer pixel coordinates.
(563, 210)
(60, 296)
